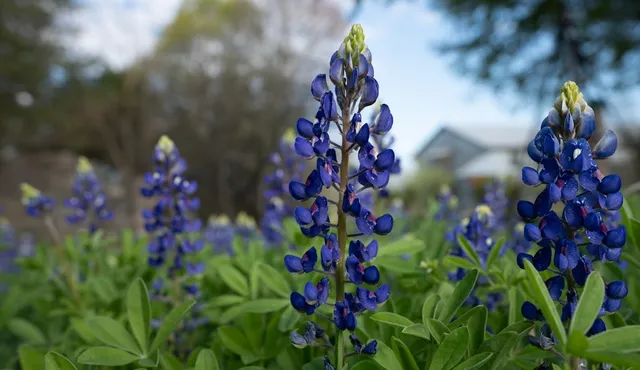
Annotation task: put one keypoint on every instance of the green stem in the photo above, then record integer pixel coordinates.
(342, 226)
(67, 268)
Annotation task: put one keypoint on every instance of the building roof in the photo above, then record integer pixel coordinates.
(488, 136)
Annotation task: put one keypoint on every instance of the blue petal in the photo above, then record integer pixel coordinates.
(370, 91)
(319, 86)
(617, 290)
(530, 176)
(610, 184)
(606, 146)
(305, 128)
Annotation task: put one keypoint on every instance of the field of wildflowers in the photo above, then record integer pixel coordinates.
(337, 275)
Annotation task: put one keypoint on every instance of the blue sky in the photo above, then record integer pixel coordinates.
(419, 85)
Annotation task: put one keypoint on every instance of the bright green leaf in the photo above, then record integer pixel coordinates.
(588, 305)
(254, 281)
(613, 357)
(475, 362)
(106, 356)
(429, 308)
(451, 350)
(234, 279)
(437, 329)
(545, 302)
(495, 251)
(30, 358)
(459, 295)
(623, 340)
(577, 343)
(407, 245)
(417, 330)
(226, 300)
(266, 305)
(403, 354)
(104, 289)
(113, 333)
(169, 323)
(274, 280)
(519, 327)
(469, 251)
(288, 319)
(170, 362)
(27, 331)
(234, 340)
(386, 358)
(139, 312)
(391, 318)
(455, 261)
(55, 361)
(207, 360)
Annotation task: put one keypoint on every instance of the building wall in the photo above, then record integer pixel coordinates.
(459, 152)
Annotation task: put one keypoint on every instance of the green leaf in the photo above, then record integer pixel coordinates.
(469, 251)
(106, 356)
(30, 358)
(545, 302)
(254, 281)
(27, 331)
(288, 319)
(613, 357)
(501, 345)
(451, 350)
(437, 329)
(495, 251)
(391, 318)
(475, 362)
(417, 330)
(403, 354)
(113, 333)
(274, 280)
(477, 326)
(234, 340)
(588, 305)
(577, 343)
(407, 245)
(264, 305)
(169, 323)
(207, 360)
(226, 300)
(459, 295)
(170, 362)
(151, 360)
(56, 361)
(365, 365)
(429, 308)
(623, 340)
(455, 261)
(139, 312)
(386, 358)
(234, 279)
(519, 327)
(104, 289)
(513, 305)
(82, 329)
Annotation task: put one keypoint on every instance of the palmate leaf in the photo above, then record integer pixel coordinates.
(459, 295)
(139, 312)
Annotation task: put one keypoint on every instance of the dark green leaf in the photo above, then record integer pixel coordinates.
(501, 345)
(623, 340)
(288, 319)
(366, 365)
(477, 326)
(577, 343)
(437, 329)
(169, 323)
(403, 354)
(113, 333)
(170, 362)
(139, 312)
(545, 302)
(459, 295)
(386, 358)
(82, 329)
(613, 357)
(451, 350)
(106, 356)
(519, 327)
(234, 279)
(263, 305)
(254, 281)
(475, 362)
(391, 318)
(469, 251)
(274, 280)
(417, 330)
(495, 251)
(588, 305)
(27, 331)
(234, 340)
(429, 308)
(104, 289)
(207, 360)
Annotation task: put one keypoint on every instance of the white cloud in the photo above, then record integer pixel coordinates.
(119, 31)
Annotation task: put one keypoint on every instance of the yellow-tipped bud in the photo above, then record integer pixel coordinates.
(354, 43)
(219, 220)
(289, 136)
(520, 227)
(570, 95)
(245, 220)
(165, 144)
(84, 166)
(28, 192)
(453, 202)
(484, 212)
